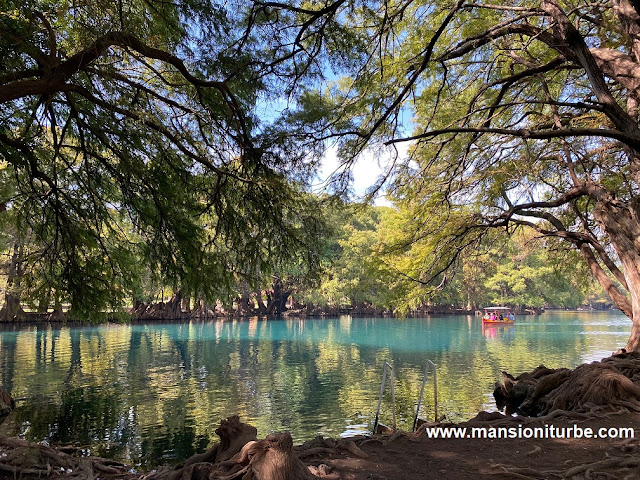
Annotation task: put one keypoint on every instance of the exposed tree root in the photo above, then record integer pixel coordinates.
(596, 390)
(536, 449)
(23, 460)
(269, 459)
(239, 455)
(614, 467)
(587, 391)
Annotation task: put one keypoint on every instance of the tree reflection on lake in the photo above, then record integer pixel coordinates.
(155, 393)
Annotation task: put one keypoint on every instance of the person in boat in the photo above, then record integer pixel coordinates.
(511, 317)
(501, 318)
(492, 317)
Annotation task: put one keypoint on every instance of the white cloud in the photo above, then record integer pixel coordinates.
(366, 171)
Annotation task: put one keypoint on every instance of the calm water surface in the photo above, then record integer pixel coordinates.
(155, 393)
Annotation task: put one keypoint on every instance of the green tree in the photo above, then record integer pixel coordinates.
(134, 135)
(526, 115)
(512, 270)
(353, 273)
(527, 275)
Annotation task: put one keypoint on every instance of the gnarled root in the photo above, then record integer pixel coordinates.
(612, 384)
(240, 455)
(273, 459)
(24, 460)
(613, 467)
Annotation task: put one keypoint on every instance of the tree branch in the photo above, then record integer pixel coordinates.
(620, 300)
(526, 133)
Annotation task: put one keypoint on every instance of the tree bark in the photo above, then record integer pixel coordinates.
(621, 222)
(58, 314)
(262, 309)
(606, 384)
(273, 459)
(277, 298)
(217, 461)
(202, 310)
(43, 302)
(233, 436)
(186, 304)
(12, 309)
(243, 305)
(159, 311)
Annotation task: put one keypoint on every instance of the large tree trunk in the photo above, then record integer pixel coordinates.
(12, 309)
(159, 311)
(186, 304)
(262, 309)
(44, 301)
(277, 298)
(202, 310)
(244, 308)
(621, 222)
(58, 314)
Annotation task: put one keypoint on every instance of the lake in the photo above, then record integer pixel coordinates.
(150, 394)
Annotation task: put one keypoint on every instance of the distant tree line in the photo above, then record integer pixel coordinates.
(362, 264)
(370, 263)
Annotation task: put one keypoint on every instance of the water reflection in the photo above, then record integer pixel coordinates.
(155, 393)
(498, 331)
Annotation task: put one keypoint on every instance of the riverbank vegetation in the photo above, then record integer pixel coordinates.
(156, 146)
(154, 150)
(372, 263)
(358, 269)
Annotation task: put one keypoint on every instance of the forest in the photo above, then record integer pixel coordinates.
(359, 271)
(365, 268)
(168, 150)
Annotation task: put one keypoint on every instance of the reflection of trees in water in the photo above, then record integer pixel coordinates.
(157, 392)
(7, 364)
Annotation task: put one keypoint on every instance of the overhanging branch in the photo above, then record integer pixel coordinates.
(525, 133)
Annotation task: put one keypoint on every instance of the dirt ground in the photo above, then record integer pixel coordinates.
(404, 456)
(413, 457)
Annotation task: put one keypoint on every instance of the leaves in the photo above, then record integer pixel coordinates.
(136, 155)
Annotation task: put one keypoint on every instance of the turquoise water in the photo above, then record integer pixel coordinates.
(155, 393)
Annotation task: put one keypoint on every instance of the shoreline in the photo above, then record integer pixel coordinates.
(400, 455)
(29, 317)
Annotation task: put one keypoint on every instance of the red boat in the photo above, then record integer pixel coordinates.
(497, 316)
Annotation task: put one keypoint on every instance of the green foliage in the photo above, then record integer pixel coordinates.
(509, 133)
(353, 273)
(154, 144)
(136, 157)
(376, 258)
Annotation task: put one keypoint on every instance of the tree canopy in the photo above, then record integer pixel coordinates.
(368, 267)
(130, 133)
(525, 115)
